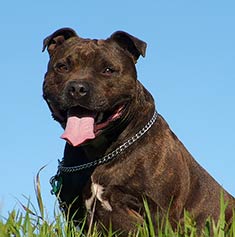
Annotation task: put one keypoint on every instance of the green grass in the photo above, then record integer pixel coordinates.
(32, 222)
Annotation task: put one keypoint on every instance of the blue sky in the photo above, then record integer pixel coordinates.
(189, 69)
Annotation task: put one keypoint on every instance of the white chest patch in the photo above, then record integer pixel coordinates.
(97, 190)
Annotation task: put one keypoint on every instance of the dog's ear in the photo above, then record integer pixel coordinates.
(133, 45)
(57, 38)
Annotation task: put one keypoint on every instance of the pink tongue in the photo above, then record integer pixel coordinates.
(78, 130)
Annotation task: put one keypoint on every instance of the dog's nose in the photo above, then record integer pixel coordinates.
(77, 89)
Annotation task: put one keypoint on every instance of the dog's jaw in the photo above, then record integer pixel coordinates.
(83, 125)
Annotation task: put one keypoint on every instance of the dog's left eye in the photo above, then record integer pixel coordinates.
(108, 71)
(62, 67)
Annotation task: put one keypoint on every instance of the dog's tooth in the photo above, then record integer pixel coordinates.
(100, 117)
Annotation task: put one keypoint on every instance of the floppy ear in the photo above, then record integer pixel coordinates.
(57, 38)
(130, 43)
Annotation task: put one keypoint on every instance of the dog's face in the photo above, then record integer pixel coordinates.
(91, 79)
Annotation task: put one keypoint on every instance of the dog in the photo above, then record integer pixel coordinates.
(118, 150)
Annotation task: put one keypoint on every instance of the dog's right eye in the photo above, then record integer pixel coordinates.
(61, 67)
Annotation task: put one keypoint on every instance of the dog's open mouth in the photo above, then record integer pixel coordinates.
(83, 124)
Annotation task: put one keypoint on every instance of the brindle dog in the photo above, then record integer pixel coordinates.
(118, 150)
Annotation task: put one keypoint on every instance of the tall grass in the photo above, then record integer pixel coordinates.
(32, 222)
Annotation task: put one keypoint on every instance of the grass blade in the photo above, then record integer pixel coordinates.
(37, 187)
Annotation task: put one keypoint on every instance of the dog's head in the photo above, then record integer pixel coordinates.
(90, 84)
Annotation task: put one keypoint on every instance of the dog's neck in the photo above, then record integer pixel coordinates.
(112, 155)
(141, 111)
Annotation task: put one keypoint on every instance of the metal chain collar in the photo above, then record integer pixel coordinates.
(111, 155)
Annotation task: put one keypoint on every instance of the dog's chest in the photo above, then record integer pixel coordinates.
(97, 192)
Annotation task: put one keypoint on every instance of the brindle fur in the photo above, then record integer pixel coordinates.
(157, 167)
